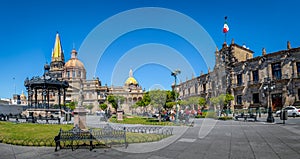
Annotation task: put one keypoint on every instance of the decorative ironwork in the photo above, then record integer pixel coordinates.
(44, 84)
(92, 138)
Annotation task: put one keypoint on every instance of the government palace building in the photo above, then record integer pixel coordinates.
(73, 73)
(271, 79)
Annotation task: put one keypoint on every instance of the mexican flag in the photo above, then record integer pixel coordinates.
(225, 28)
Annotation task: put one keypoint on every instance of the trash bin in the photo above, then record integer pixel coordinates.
(283, 115)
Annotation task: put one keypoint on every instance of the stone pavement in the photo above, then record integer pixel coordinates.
(207, 139)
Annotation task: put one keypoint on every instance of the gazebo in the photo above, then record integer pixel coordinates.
(42, 89)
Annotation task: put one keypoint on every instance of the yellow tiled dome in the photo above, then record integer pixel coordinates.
(131, 81)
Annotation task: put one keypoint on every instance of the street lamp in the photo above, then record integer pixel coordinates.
(175, 73)
(269, 86)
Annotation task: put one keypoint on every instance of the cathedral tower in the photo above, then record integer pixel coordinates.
(57, 60)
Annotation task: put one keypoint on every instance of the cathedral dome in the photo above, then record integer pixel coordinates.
(74, 62)
(74, 68)
(23, 96)
(131, 81)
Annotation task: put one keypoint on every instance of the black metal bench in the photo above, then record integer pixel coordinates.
(76, 137)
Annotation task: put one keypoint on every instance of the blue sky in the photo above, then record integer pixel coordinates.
(28, 29)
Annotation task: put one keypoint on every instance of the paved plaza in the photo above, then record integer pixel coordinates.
(207, 139)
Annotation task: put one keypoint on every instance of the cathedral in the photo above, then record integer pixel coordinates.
(270, 80)
(74, 73)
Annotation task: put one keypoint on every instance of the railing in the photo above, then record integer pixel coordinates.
(154, 133)
(109, 135)
(75, 138)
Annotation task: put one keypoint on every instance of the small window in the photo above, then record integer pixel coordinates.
(79, 74)
(68, 74)
(239, 79)
(298, 68)
(298, 94)
(239, 99)
(276, 70)
(73, 74)
(255, 76)
(204, 87)
(255, 98)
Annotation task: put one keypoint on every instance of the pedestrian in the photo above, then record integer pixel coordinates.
(57, 141)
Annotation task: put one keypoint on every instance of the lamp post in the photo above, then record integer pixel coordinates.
(15, 85)
(130, 106)
(269, 86)
(175, 73)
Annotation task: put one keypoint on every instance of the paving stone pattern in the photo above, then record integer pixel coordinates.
(227, 139)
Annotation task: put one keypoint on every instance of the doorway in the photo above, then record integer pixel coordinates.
(276, 102)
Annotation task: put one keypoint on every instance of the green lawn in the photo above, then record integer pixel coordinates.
(27, 134)
(140, 120)
(30, 134)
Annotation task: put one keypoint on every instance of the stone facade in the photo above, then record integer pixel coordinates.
(267, 80)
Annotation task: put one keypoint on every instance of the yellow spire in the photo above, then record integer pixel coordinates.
(57, 53)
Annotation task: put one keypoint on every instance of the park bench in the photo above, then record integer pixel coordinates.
(93, 137)
(246, 117)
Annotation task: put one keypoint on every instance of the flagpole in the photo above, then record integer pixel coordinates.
(225, 28)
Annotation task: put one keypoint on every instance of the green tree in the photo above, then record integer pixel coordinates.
(214, 101)
(193, 102)
(222, 98)
(115, 100)
(111, 99)
(202, 101)
(170, 105)
(228, 99)
(144, 102)
(103, 106)
(158, 100)
(146, 99)
(140, 103)
(71, 105)
(183, 102)
(170, 96)
(221, 101)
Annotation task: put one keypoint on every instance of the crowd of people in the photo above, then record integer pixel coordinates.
(170, 115)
